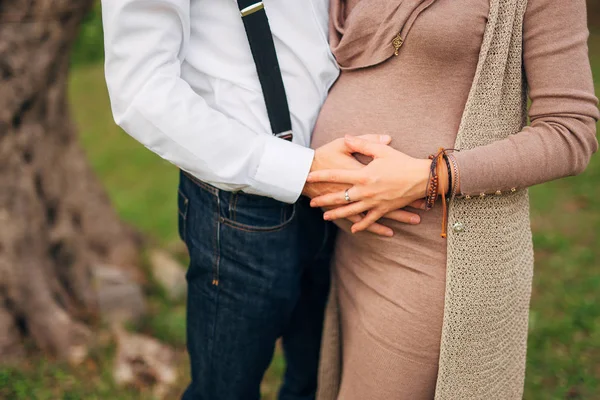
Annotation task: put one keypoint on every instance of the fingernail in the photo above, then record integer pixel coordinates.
(313, 204)
(390, 233)
(326, 217)
(385, 139)
(415, 220)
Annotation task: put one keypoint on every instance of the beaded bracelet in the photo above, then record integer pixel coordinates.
(433, 184)
(431, 193)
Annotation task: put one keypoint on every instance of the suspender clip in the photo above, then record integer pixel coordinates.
(287, 135)
(252, 9)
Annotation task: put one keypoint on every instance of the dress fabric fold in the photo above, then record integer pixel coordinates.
(364, 35)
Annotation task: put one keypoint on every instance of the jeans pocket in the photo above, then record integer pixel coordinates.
(257, 214)
(182, 210)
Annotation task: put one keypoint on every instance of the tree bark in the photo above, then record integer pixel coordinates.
(593, 13)
(56, 222)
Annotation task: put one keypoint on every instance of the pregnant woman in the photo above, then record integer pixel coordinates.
(419, 316)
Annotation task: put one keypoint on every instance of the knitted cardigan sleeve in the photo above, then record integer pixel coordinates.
(562, 135)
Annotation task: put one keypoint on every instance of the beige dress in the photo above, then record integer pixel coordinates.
(391, 290)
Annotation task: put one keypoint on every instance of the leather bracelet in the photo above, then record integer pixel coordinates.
(440, 157)
(456, 175)
(450, 180)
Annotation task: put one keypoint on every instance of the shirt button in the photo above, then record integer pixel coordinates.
(458, 227)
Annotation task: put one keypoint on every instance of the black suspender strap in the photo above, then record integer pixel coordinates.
(263, 51)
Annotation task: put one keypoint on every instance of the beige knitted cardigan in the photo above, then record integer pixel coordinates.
(490, 262)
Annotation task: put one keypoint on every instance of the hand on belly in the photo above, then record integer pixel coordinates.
(392, 181)
(336, 155)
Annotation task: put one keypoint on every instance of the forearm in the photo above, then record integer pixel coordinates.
(146, 43)
(563, 112)
(538, 154)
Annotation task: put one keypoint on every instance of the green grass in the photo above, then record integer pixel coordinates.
(564, 336)
(141, 185)
(48, 380)
(564, 341)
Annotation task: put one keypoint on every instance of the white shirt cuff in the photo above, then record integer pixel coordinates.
(282, 170)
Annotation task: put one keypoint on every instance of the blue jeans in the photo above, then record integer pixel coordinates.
(259, 271)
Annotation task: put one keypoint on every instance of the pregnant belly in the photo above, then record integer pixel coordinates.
(419, 122)
(415, 130)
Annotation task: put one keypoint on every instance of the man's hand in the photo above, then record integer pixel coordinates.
(336, 155)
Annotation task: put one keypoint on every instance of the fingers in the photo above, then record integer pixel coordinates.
(336, 176)
(418, 204)
(375, 139)
(346, 211)
(382, 139)
(380, 230)
(375, 228)
(327, 200)
(371, 217)
(362, 146)
(337, 198)
(404, 216)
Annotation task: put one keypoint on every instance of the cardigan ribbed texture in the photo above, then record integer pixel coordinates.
(490, 263)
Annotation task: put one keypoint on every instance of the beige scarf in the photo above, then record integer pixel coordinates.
(371, 31)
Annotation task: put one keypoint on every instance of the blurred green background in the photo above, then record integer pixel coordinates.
(564, 340)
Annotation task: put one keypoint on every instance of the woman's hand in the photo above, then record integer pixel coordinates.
(337, 155)
(390, 182)
(404, 216)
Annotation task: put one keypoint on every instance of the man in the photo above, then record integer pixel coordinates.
(183, 82)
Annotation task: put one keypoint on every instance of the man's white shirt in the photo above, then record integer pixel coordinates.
(182, 81)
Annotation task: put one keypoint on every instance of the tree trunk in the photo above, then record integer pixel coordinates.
(593, 13)
(56, 221)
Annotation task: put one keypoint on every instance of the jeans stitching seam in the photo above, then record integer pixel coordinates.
(248, 228)
(213, 190)
(251, 229)
(217, 250)
(217, 254)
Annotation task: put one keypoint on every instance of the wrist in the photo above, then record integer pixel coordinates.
(307, 185)
(423, 179)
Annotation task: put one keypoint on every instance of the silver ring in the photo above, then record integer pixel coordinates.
(347, 196)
